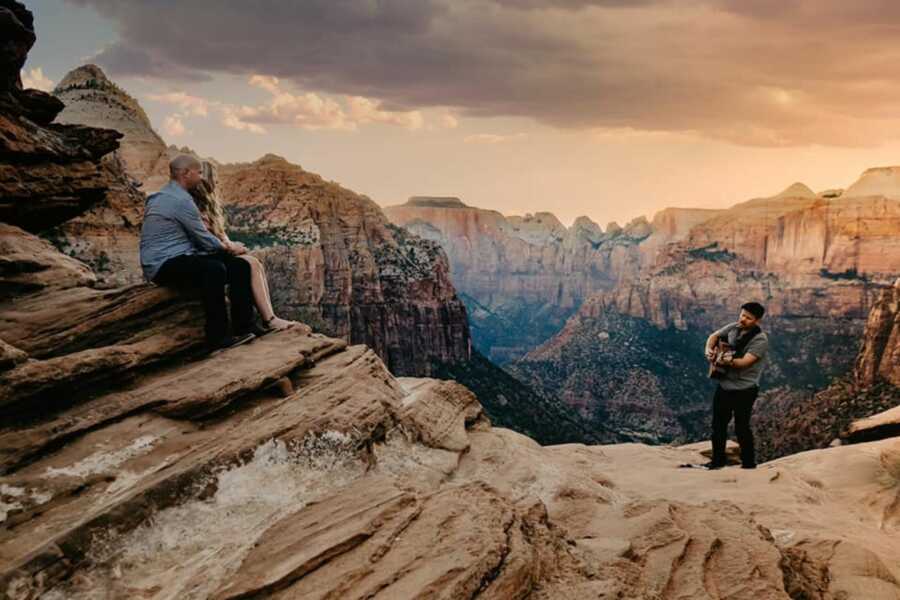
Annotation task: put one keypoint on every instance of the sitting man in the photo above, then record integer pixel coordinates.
(177, 249)
(739, 383)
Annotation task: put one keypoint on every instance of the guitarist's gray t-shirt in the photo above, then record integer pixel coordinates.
(741, 379)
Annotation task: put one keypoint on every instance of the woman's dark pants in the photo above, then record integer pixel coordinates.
(210, 273)
(740, 404)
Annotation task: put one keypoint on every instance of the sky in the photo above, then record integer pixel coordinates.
(612, 109)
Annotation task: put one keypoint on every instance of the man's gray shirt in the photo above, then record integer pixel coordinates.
(172, 227)
(742, 379)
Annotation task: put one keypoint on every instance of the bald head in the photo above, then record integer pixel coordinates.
(181, 163)
(185, 171)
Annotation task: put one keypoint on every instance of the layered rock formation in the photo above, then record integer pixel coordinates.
(795, 233)
(135, 465)
(200, 481)
(521, 277)
(335, 262)
(49, 174)
(810, 255)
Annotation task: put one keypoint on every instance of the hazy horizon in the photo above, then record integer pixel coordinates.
(602, 108)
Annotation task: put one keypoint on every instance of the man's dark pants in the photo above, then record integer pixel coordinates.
(740, 404)
(210, 273)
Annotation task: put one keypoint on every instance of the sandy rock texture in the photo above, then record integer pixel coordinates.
(360, 485)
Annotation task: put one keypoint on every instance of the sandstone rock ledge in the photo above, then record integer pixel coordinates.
(197, 478)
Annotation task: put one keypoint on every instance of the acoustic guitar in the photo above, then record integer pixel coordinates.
(723, 353)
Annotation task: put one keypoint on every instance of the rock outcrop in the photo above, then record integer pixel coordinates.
(879, 357)
(875, 427)
(335, 262)
(48, 172)
(876, 182)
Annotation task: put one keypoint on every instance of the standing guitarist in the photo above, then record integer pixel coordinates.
(737, 355)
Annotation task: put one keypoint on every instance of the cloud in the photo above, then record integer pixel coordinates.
(365, 110)
(35, 79)
(757, 72)
(313, 111)
(173, 126)
(449, 121)
(192, 105)
(232, 117)
(492, 138)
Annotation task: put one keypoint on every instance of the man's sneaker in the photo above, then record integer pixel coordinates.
(713, 466)
(230, 341)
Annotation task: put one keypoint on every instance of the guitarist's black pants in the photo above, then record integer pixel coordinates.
(740, 404)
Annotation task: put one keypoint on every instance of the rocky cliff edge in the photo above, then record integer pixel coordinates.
(135, 465)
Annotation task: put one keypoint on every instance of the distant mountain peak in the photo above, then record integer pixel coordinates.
(436, 202)
(81, 76)
(90, 98)
(877, 181)
(796, 190)
(270, 158)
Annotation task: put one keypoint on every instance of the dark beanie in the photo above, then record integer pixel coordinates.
(754, 308)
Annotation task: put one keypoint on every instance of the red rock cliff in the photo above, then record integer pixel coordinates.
(335, 262)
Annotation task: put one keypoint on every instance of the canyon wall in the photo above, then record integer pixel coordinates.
(335, 262)
(521, 277)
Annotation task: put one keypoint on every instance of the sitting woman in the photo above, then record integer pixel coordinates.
(210, 208)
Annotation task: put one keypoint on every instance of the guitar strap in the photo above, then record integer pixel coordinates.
(741, 346)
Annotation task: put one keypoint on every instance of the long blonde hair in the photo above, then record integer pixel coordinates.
(207, 200)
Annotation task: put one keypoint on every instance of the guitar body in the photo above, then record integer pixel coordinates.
(723, 352)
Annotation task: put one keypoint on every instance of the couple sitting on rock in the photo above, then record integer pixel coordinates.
(183, 243)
